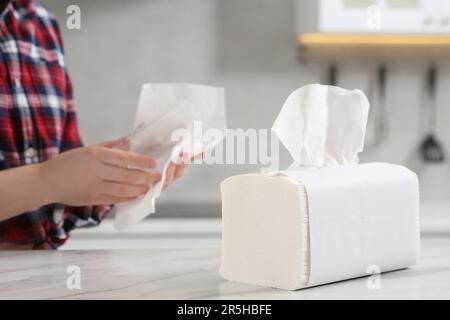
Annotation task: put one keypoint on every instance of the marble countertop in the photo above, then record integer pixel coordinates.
(192, 274)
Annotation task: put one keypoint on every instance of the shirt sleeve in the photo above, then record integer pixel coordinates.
(71, 136)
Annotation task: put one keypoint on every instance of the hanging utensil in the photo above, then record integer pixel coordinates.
(383, 125)
(378, 118)
(431, 150)
(332, 77)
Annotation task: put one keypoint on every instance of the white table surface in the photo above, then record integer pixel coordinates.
(192, 274)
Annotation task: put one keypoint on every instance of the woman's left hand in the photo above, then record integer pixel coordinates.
(176, 169)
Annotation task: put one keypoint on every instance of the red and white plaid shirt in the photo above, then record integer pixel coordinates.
(37, 118)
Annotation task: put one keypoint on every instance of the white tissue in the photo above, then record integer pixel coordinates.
(323, 125)
(164, 108)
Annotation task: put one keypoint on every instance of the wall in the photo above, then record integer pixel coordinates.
(246, 46)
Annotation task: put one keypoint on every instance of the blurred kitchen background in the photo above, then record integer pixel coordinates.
(397, 51)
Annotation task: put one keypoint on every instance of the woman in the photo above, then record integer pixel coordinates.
(49, 183)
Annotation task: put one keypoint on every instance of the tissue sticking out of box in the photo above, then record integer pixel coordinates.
(323, 125)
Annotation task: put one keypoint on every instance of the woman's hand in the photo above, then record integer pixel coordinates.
(85, 176)
(97, 175)
(176, 169)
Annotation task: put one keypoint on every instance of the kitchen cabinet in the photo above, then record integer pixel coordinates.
(378, 16)
(381, 29)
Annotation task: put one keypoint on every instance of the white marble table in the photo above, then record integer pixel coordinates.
(192, 274)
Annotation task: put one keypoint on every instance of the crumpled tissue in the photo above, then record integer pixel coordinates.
(171, 119)
(323, 125)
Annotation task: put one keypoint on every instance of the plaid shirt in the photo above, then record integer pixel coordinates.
(37, 118)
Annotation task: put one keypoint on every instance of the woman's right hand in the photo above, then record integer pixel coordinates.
(97, 175)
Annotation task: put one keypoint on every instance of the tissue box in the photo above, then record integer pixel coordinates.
(301, 228)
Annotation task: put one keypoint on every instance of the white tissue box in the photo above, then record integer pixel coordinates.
(302, 228)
